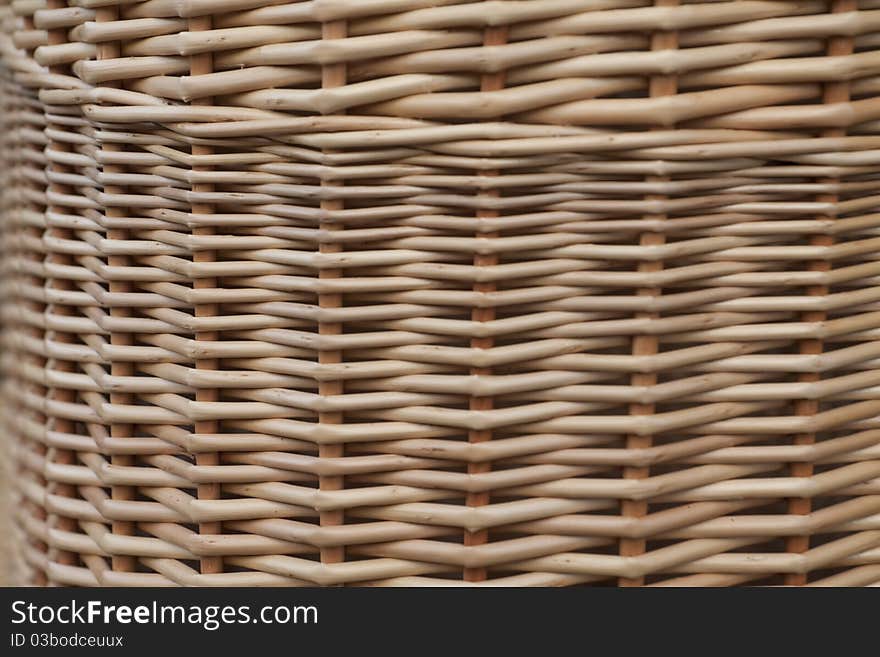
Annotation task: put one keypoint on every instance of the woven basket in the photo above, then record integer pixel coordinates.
(442, 292)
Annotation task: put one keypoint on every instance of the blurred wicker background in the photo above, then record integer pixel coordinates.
(441, 292)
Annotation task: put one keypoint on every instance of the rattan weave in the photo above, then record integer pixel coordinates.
(442, 292)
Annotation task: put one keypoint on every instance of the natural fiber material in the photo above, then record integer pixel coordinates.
(441, 292)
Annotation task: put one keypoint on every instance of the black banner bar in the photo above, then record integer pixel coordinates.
(263, 622)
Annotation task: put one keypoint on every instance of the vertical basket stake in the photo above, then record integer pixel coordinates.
(203, 64)
(647, 345)
(492, 36)
(122, 563)
(834, 92)
(37, 332)
(332, 76)
(63, 395)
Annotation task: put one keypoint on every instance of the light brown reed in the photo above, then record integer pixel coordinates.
(442, 292)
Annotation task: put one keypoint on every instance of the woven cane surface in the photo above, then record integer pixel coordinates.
(441, 292)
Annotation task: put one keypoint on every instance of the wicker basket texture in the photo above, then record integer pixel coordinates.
(442, 292)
